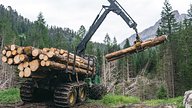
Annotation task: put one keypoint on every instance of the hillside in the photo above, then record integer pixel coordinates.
(150, 32)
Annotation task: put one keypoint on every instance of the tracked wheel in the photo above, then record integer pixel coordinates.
(65, 95)
(27, 90)
(97, 91)
(82, 93)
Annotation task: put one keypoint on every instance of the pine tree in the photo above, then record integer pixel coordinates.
(190, 11)
(168, 24)
(107, 42)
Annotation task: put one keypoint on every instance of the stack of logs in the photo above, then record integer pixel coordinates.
(136, 48)
(30, 60)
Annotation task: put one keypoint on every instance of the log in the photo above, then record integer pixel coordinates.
(25, 64)
(19, 50)
(4, 59)
(27, 72)
(70, 62)
(23, 57)
(60, 66)
(14, 52)
(45, 58)
(21, 74)
(10, 61)
(7, 48)
(20, 67)
(28, 50)
(34, 65)
(43, 63)
(16, 59)
(133, 49)
(46, 49)
(62, 51)
(41, 56)
(36, 52)
(4, 52)
(8, 54)
(14, 47)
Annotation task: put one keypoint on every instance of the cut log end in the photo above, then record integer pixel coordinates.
(8, 53)
(43, 63)
(34, 65)
(21, 74)
(10, 61)
(4, 59)
(4, 52)
(27, 72)
(20, 50)
(41, 56)
(35, 52)
(20, 67)
(28, 50)
(14, 52)
(17, 59)
(13, 47)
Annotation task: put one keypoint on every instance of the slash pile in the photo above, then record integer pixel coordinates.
(34, 62)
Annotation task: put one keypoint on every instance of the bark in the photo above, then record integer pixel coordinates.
(144, 45)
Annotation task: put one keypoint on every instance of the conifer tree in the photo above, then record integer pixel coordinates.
(168, 24)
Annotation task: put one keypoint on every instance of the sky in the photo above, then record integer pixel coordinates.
(74, 13)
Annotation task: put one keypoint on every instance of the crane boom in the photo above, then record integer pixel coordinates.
(114, 7)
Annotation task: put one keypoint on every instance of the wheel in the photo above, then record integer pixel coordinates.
(82, 94)
(97, 91)
(65, 95)
(27, 90)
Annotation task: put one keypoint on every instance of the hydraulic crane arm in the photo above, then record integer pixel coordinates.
(114, 7)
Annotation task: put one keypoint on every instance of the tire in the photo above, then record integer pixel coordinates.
(65, 95)
(82, 94)
(97, 92)
(27, 91)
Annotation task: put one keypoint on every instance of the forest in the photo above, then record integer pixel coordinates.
(157, 73)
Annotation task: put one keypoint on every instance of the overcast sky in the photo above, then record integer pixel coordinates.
(74, 13)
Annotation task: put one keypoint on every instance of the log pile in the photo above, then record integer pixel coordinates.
(135, 48)
(34, 62)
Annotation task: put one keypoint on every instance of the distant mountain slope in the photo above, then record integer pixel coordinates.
(151, 31)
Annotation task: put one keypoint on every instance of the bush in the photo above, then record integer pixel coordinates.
(162, 93)
(11, 95)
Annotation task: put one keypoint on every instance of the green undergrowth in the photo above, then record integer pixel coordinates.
(113, 100)
(171, 101)
(9, 96)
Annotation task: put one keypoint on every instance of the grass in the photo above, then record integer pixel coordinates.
(9, 96)
(12, 95)
(112, 100)
(171, 101)
(115, 100)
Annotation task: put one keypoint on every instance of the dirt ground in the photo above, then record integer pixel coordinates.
(83, 105)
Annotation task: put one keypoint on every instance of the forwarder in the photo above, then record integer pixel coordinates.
(71, 77)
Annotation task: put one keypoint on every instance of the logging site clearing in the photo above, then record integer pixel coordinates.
(46, 66)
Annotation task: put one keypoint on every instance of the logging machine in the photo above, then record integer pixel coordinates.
(70, 86)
